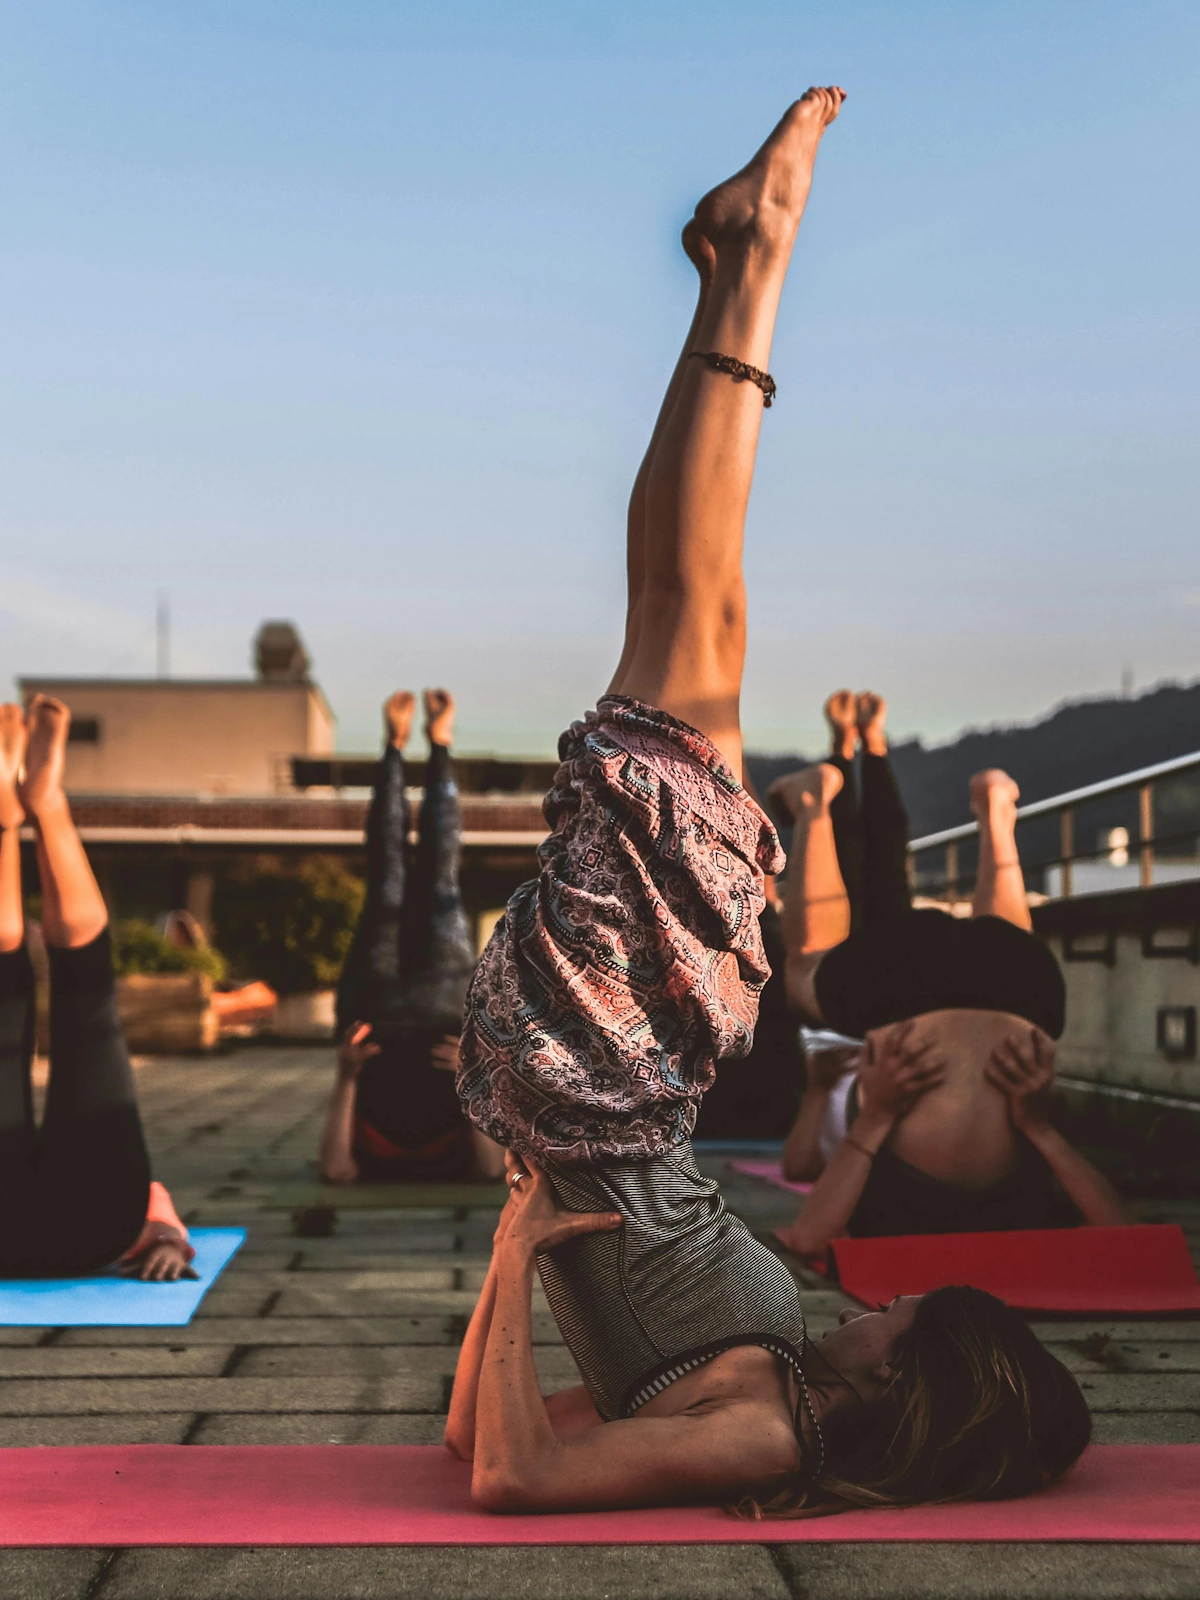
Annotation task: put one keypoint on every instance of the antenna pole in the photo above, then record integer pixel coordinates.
(163, 633)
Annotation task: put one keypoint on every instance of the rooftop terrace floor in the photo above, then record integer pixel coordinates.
(353, 1339)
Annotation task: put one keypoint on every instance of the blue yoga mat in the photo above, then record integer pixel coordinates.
(108, 1300)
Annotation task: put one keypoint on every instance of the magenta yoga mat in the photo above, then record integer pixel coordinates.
(419, 1494)
(769, 1172)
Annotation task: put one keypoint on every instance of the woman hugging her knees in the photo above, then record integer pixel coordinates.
(75, 1195)
(952, 1132)
(616, 982)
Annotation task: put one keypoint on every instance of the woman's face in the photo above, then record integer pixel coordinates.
(863, 1344)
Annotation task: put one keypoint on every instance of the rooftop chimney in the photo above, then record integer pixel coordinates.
(279, 653)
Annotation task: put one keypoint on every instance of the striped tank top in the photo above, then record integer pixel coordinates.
(681, 1282)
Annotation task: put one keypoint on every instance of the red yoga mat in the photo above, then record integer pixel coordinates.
(1144, 1268)
(152, 1494)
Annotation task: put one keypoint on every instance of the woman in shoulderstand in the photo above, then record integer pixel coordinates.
(958, 1138)
(615, 982)
(76, 1194)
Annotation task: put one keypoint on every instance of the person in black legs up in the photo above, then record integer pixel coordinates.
(76, 1194)
(870, 834)
(394, 1113)
(952, 1131)
(785, 1088)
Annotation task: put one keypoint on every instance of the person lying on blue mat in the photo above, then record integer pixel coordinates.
(948, 1127)
(76, 1195)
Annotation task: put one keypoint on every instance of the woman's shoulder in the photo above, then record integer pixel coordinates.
(755, 1437)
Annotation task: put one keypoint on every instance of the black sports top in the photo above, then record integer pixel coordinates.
(681, 1282)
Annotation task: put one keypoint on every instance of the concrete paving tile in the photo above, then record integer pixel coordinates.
(585, 1572)
(144, 1429)
(280, 1258)
(992, 1571)
(398, 1278)
(174, 1361)
(1127, 1355)
(1147, 1427)
(49, 1574)
(310, 1299)
(405, 1273)
(382, 1221)
(1138, 1391)
(322, 1427)
(380, 1258)
(554, 1362)
(1185, 1330)
(235, 1297)
(22, 1397)
(229, 1331)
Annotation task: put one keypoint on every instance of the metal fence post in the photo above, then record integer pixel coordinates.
(1067, 848)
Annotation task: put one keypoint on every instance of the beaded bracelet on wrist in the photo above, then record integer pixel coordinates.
(740, 372)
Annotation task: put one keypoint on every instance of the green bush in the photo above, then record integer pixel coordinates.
(291, 926)
(139, 947)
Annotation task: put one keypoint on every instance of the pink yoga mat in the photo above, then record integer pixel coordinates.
(769, 1172)
(153, 1494)
(1142, 1268)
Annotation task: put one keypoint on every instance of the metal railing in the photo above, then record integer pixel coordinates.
(1143, 780)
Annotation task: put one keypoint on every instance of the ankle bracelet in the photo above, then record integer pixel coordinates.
(740, 372)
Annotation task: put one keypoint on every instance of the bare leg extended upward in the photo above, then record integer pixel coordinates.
(73, 909)
(686, 625)
(816, 907)
(12, 814)
(999, 881)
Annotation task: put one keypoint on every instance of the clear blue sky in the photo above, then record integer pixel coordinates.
(359, 314)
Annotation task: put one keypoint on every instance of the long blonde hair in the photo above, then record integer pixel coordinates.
(977, 1410)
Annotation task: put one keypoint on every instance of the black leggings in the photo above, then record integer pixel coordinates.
(73, 1194)
(409, 965)
(411, 955)
(871, 836)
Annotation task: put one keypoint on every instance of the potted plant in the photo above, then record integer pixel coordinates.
(164, 989)
(291, 927)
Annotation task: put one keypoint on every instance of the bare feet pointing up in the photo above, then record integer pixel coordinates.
(397, 717)
(763, 203)
(48, 722)
(439, 716)
(872, 722)
(12, 754)
(841, 713)
(994, 797)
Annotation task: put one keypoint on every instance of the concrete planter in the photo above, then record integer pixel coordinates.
(307, 1017)
(166, 1013)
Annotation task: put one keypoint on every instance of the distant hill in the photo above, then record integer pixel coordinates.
(1078, 743)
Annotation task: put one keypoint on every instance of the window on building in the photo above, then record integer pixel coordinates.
(84, 730)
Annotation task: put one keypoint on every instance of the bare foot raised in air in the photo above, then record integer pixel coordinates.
(872, 722)
(398, 711)
(808, 791)
(762, 204)
(12, 754)
(47, 723)
(841, 713)
(439, 716)
(994, 796)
